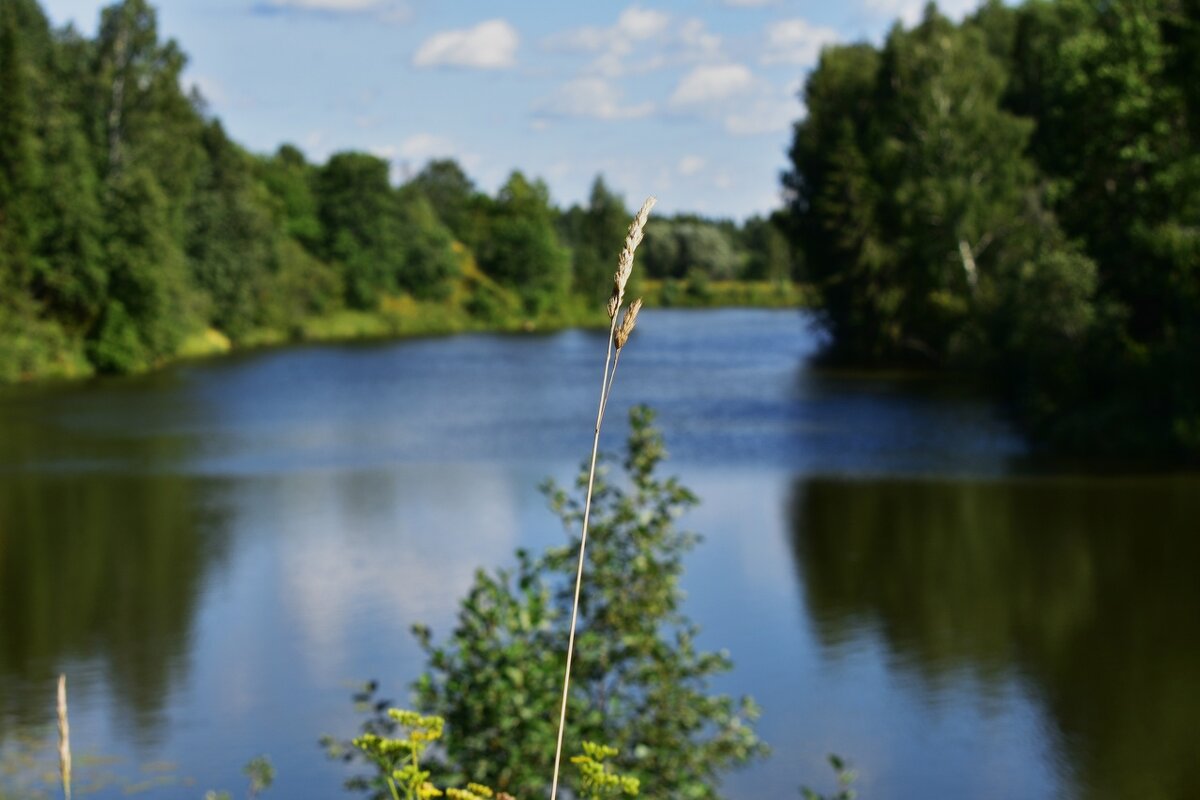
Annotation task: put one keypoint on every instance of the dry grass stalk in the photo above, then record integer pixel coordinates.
(627, 324)
(625, 260)
(64, 738)
(620, 280)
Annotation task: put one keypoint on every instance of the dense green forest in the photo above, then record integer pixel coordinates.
(134, 230)
(1018, 195)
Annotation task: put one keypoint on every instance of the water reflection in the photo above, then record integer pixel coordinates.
(1085, 591)
(105, 572)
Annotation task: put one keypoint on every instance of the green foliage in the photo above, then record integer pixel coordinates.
(597, 779)
(148, 283)
(18, 155)
(1018, 194)
(289, 178)
(261, 773)
(398, 760)
(769, 257)
(638, 680)
(359, 215)
(594, 233)
(521, 249)
(432, 266)
(231, 236)
(845, 779)
(453, 197)
(683, 246)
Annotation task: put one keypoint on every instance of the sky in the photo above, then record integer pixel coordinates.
(690, 101)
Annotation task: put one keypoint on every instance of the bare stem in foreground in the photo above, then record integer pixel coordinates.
(617, 337)
(64, 738)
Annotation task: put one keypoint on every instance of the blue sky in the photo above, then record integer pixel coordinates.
(692, 102)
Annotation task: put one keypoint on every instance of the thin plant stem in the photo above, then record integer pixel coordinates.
(605, 387)
(612, 376)
(624, 268)
(64, 738)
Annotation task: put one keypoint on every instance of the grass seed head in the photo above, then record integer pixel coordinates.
(625, 261)
(627, 324)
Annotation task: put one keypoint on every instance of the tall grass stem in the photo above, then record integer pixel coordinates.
(64, 738)
(624, 268)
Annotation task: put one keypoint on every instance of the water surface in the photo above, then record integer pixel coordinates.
(215, 553)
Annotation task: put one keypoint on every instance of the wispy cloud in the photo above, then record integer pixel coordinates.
(640, 40)
(765, 113)
(731, 95)
(387, 10)
(592, 98)
(489, 45)
(690, 165)
(633, 24)
(796, 41)
(710, 84)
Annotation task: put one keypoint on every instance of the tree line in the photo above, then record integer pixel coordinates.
(130, 221)
(1018, 195)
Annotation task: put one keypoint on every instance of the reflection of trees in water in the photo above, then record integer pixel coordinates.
(97, 568)
(1089, 589)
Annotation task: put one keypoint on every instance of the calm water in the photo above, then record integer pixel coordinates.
(216, 553)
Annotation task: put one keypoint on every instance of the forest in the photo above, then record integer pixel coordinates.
(133, 229)
(1014, 197)
(1017, 197)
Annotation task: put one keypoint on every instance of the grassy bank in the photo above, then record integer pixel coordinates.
(462, 311)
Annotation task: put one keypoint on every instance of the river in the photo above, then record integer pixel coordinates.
(217, 552)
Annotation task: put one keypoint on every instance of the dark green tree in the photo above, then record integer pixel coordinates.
(595, 232)
(231, 242)
(360, 217)
(19, 151)
(149, 306)
(453, 196)
(432, 265)
(768, 257)
(290, 179)
(521, 249)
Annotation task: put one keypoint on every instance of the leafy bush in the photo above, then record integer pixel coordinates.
(639, 683)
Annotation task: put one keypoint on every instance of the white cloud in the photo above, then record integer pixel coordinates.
(767, 110)
(759, 119)
(633, 24)
(393, 11)
(711, 83)
(697, 40)
(641, 23)
(593, 98)
(640, 40)
(425, 145)
(489, 45)
(690, 165)
(796, 41)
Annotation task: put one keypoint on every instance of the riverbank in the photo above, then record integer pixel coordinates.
(399, 317)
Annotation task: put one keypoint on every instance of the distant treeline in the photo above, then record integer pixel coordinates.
(1019, 195)
(130, 224)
